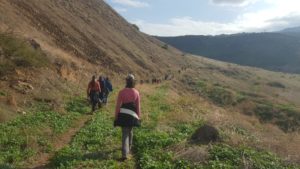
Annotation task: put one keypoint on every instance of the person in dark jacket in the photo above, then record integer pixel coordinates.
(128, 113)
(108, 89)
(103, 88)
(93, 91)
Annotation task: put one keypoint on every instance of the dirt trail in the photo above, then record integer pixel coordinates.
(41, 161)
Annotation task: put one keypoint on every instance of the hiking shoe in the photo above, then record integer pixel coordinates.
(122, 159)
(128, 157)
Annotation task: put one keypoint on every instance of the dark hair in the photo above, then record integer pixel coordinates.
(130, 83)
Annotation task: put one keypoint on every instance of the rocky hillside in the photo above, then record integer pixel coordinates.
(76, 39)
(89, 30)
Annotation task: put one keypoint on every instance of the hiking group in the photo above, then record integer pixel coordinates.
(128, 111)
(98, 91)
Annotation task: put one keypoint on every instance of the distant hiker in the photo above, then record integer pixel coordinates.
(166, 77)
(153, 80)
(93, 92)
(107, 90)
(128, 113)
(103, 88)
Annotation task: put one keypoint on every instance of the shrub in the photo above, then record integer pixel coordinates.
(284, 116)
(265, 112)
(276, 84)
(19, 53)
(2, 93)
(165, 46)
(136, 27)
(218, 94)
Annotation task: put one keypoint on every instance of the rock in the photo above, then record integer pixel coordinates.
(34, 44)
(205, 134)
(22, 87)
(4, 78)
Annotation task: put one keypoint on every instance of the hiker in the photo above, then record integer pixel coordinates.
(108, 89)
(127, 114)
(93, 92)
(102, 86)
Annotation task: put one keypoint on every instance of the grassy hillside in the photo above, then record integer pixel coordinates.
(271, 51)
(44, 112)
(163, 141)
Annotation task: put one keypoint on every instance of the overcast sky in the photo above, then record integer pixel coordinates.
(208, 17)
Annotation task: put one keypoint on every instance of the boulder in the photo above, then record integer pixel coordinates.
(205, 134)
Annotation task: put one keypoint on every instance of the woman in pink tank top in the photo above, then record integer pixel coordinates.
(128, 113)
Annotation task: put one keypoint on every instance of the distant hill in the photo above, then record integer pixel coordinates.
(294, 30)
(277, 51)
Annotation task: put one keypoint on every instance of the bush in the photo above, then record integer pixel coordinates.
(136, 27)
(276, 84)
(2, 93)
(165, 46)
(284, 116)
(218, 94)
(19, 53)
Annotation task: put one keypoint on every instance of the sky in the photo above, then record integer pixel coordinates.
(208, 17)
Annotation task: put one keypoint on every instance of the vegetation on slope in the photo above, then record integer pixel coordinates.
(97, 145)
(16, 52)
(287, 117)
(27, 135)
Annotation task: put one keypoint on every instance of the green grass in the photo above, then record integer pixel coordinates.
(150, 143)
(22, 137)
(2, 93)
(96, 145)
(218, 94)
(18, 53)
(286, 117)
(223, 156)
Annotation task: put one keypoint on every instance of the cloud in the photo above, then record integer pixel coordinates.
(239, 3)
(278, 15)
(120, 9)
(292, 20)
(185, 26)
(131, 3)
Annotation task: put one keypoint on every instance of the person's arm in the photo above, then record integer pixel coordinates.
(118, 105)
(138, 105)
(99, 88)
